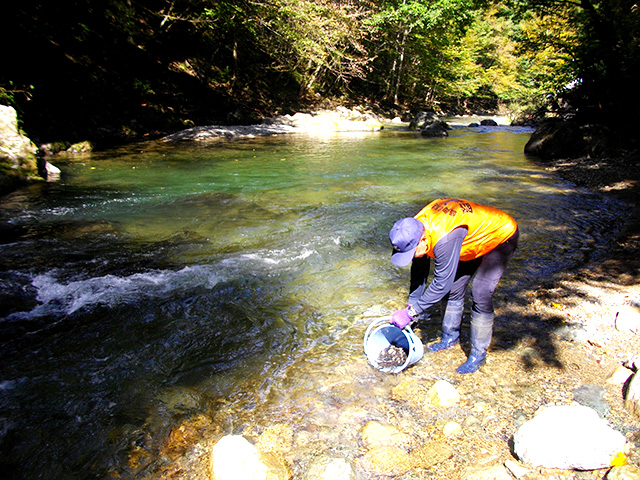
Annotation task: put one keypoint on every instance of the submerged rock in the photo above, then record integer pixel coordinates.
(443, 394)
(430, 454)
(389, 461)
(233, 457)
(327, 467)
(376, 434)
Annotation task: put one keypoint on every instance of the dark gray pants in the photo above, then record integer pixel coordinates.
(486, 272)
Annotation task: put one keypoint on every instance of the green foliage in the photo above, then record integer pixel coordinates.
(156, 65)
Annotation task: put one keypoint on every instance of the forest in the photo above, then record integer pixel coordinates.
(122, 70)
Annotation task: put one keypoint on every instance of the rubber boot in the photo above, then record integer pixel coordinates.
(451, 321)
(481, 331)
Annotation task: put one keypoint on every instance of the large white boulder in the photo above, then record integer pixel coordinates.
(234, 458)
(568, 437)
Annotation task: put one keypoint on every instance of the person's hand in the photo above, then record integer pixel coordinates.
(401, 318)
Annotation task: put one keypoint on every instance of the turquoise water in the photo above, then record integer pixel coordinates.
(157, 282)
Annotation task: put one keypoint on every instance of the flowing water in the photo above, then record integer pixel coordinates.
(157, 282)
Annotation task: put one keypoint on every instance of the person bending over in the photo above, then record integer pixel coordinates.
(465, 240)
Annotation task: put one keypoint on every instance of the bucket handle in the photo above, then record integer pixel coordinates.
(375, 323)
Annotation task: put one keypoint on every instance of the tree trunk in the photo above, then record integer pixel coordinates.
(401, 50)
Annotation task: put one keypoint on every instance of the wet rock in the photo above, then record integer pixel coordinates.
(277, 439)
(556, 139)
(488, 122)
(435, 129)
(277, 468)
(389, 461)
(443, 394)
(592, 396)
(187, 434)
(568, 437)
(409, 391)
(421, 119)
(178, 401)
(625, 472)
(375, 434)
(81, 147)
(328, 467)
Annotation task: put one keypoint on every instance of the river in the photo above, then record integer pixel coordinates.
(158, 282)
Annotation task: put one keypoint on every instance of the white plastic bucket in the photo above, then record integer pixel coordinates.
(380, 334)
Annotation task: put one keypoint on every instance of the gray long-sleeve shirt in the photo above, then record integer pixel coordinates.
(447, 256)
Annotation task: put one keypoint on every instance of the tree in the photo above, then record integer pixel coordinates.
(409, 38)
(601, 51)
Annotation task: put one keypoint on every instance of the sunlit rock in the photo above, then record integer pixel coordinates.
(18, 160)
(421, 119)
(568, 437)
(81, 147)
(375, 434)
(233, 457)
(389, 461)
(452, 429)
(628, 319)
(327, 467)
(52, 173)
(620, 376)
(443, 394)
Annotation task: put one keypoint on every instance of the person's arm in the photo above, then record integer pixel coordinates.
(447, 256)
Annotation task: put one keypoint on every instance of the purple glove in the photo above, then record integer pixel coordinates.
(401, 318)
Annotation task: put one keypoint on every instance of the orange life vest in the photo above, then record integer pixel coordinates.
(488, 226)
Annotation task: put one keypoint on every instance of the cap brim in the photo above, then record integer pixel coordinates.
(402, 259)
